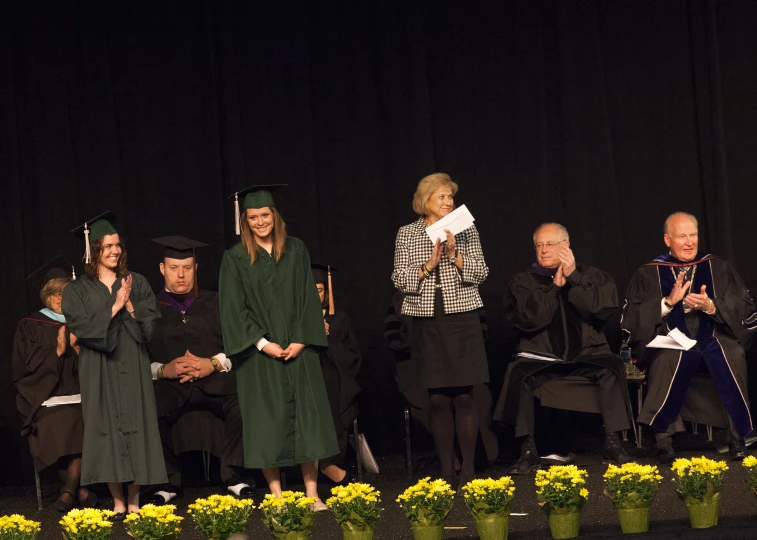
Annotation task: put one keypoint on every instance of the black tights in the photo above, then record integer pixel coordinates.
(444, 424)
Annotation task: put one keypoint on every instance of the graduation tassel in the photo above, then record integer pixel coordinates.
(331, 293)
(86, 244)
(236, 213)
(73, 273)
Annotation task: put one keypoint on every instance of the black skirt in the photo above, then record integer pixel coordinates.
(449, 348)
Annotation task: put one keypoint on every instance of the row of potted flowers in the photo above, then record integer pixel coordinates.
(560, 490)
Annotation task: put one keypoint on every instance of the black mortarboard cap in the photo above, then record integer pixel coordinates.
(178, 247)
(55, 268)
(254, 197)
(322, 274)
(95, 228)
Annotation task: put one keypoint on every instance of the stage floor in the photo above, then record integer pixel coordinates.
(668, 516)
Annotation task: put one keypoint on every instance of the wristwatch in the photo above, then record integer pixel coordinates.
(215, 363)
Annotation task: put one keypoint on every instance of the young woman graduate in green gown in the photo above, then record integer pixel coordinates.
(111, 311)
(273, 330)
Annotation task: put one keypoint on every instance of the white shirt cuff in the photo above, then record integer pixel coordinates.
(262, 343)
(225, 362)
(154, 368)
(664, 310)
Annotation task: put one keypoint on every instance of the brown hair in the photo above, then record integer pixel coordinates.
(54, 286)
(279, 236)
(95, 249)
(427, 187)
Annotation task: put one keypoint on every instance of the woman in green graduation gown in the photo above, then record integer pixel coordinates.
(273, 329)
(111, 311)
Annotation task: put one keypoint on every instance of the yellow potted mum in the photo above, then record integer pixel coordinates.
(87, 524)
(426, 504)
(220, 516)
(700, 481)
(355, 507)
(17, 527)
(562, 494)
(154, 523)
(489, 502)
(631, 488)
(288, 516)
(750, 464)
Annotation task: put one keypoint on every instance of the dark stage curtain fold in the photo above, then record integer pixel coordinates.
(605, 116)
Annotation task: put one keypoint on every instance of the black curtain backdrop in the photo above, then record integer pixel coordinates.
(602, 115)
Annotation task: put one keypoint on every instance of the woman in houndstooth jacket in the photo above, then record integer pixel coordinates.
(440, 282)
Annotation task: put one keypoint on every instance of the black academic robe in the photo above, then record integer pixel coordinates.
(720, 340)
(121, 437)
(199, 332)
(38, 374)
(565, 322)
(285, 409)
(340, 365)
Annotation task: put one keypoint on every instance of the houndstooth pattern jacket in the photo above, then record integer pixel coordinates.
(413, 249)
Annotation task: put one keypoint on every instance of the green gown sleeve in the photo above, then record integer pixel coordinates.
(146, 310)
(309, 329)
(90, 323)
(240, 331)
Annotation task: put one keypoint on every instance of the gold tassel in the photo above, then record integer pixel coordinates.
(331, 293)
(86, 244)
(236, 213)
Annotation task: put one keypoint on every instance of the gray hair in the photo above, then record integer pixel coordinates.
(562, 230)
(693, 218)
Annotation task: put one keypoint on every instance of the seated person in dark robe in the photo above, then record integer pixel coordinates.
(397, 328)
(560, 307)
(45, 358)
(340, 364)
(704, 297)
(191, 371)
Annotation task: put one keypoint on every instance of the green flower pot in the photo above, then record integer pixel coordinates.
(564, 525)
(292, 535)
(704, 515)
(427, 532)
(365, 534)
(634, 520)
(493, 526)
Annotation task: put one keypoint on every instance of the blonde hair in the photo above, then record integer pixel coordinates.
(427, 187)
(248, 238)
(54, 286)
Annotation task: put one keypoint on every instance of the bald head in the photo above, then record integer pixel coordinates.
(682, 235)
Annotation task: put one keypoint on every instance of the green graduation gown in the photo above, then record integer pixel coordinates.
(121, 438)
(285, 409)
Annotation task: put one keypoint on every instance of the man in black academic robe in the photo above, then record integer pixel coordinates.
(191, 371)
(340, 364)
(560, 307)
(703, 297)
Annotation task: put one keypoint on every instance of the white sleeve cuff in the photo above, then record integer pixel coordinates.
(154, 368)
(225, 362)
(262, 342)
(664, 310)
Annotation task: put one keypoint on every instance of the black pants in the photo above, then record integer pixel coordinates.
(612, 395)
(224, 407)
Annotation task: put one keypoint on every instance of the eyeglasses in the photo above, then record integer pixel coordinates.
(548, 245)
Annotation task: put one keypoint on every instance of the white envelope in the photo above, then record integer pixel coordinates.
(456, 222)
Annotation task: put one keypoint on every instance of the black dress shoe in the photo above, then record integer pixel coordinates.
(241, 488)
(64, 504)
(527, 463)
(119, 516)
(666, 455)
(615, 454)
(736, 451)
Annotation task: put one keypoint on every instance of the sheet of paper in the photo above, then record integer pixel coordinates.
(62, 400)
(675, 340)
(456, 222)
(534, 356)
